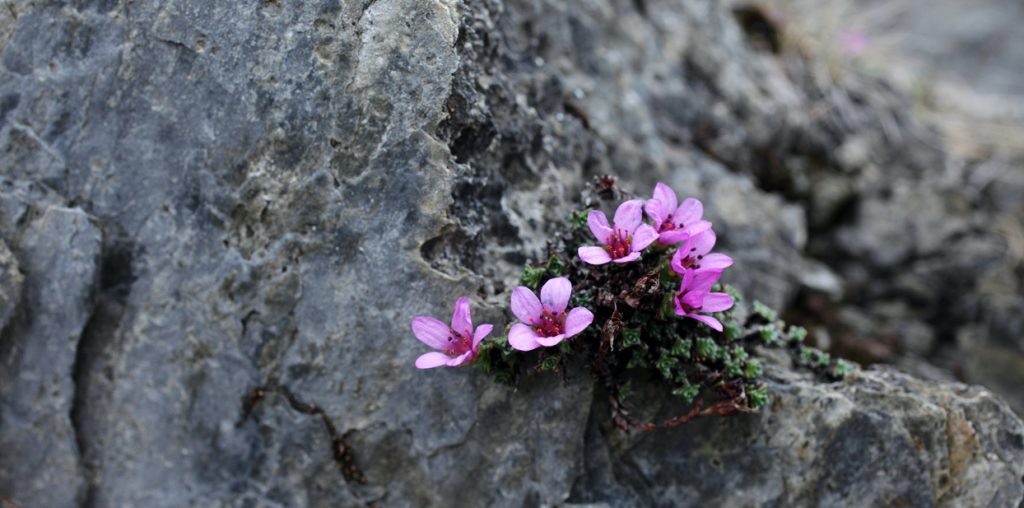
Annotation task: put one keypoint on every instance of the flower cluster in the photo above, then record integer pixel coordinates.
(547, 321)
(672, 224)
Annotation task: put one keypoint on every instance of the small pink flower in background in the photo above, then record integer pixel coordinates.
(623, 241)
(674, 222)
(544, 321)
(853, 42)
(457, 343)
(694, 254)
(695, 296)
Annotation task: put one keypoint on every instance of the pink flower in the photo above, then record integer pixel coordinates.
(674, 223)
(544, 321)
(695, 296)
(623, 241)
(458, 342)
(694, 254)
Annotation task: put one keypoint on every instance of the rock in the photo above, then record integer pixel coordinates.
(879, 438)
(59, 252)
(281, 187)
(10, 285)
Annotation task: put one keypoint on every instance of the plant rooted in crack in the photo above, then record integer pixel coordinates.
(647, 303)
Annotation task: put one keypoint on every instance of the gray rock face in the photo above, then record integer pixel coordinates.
(222, 217)
(59, 250)
(821, 445)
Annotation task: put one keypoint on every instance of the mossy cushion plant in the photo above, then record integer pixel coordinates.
(630, 298)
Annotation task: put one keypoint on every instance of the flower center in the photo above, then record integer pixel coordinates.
(550, 324)
(689, 309)
(618, 244)
(458, 343)
(691, 261)
(667, 225)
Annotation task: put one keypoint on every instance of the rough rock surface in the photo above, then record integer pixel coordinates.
(244, 203)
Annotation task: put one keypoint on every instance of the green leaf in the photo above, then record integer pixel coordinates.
(532, 277)
(768, 333)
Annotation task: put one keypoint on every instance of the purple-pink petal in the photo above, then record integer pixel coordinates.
(598, 224)
(656, 211)
(698, 226)
(430, 331)
(667, 196)
(689, 211)
(632, 256)
(716, 302)
(481, 333)
(461, 359)
(693, 299)
(703, 280)
(525, 305)
(522, 337)
(642, 237)
(577, 320)
(628, 216)
(715, 261)
(550, 341)
(673, 236)
(461, 320)
(594, 255)
(431, 360)
(708, 320)
(554, 295)
(700, 243)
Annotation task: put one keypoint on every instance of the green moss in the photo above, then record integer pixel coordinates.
(549, 363)
(681, 348)
(555, 266)
(757, 397)
(667, 307)
(735, 361)
(532, 277)
(753, 369)
(842, 369)
(796, 334)
(630, 337)
(733, 292)
(769, 334)
(665, 364)
(822, 359)
(625, 390)
(688, 392)
(732, 330)
(706, 348)
(578, 219)
(637, 360)
(766, 312)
